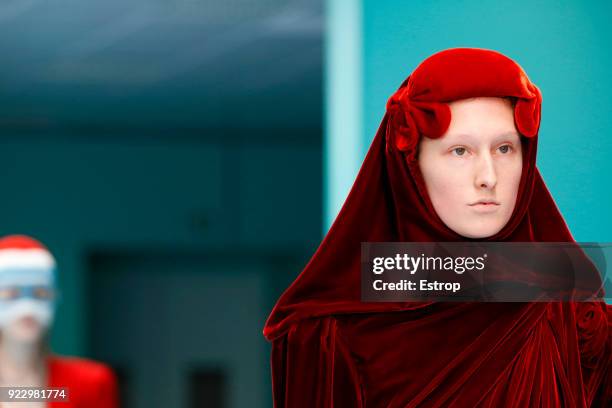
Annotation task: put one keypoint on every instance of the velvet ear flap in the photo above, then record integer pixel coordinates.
(401, 133)
(527, 112)
(408, 120)
(432, 118)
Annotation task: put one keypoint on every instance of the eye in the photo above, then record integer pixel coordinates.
(505, 149)
(459, 151)
(42, 292)
(9, 293)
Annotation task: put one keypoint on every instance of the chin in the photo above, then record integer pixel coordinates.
(26, 334)
(28, 338)
(480, 233)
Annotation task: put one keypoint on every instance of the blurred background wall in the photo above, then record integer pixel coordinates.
(182, 159)
(170, 155)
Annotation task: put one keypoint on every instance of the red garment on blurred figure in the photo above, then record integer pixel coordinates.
(90, 384)
(329, 349)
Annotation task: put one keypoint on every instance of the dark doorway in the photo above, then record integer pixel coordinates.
(183, 329)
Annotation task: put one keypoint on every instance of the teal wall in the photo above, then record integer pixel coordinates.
(565, 47)
(170, 156)
(81, 195)
(343, 101)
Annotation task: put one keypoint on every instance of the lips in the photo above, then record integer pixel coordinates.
(485, 206)
(485, 202)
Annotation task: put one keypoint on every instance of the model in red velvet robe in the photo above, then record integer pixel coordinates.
(329, 349)
(91, 384)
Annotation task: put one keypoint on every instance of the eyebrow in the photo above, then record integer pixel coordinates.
(472, 137)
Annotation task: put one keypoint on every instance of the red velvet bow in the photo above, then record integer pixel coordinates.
(408, 119)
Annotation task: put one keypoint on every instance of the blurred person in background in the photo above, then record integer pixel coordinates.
(27, 307)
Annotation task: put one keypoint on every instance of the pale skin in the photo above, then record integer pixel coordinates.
(22, 361)
(478, 158)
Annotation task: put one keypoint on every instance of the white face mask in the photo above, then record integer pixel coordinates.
(15, 309)
(26, 292)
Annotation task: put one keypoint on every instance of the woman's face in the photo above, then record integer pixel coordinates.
(26, 311)
(473, 171)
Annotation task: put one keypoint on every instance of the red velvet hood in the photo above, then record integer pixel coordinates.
(389, 202)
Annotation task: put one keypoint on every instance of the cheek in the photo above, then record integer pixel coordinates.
(447, 193)
(511, 181)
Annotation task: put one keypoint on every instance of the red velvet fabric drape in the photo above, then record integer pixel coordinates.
(329, 349)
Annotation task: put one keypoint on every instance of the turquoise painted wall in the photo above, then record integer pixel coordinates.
(79, 195)
(565, 48)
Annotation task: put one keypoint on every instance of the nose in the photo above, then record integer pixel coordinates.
(486, 176)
